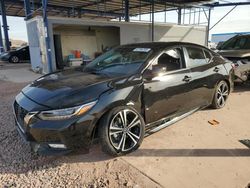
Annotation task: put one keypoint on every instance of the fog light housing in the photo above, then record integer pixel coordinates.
(57, 146)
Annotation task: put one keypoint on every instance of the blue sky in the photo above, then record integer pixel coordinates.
(237, 21)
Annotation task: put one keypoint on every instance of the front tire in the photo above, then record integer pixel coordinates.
(221, 95)
(14, 59)
(121, 131)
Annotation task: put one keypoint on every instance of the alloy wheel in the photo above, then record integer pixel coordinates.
(222, 94)
(125, 130)
(15, 59)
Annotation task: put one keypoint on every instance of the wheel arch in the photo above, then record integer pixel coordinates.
(96, 126)
(13, 55)
(228, 83)
(133, 100)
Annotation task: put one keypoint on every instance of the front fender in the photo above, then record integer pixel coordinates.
(128, 96)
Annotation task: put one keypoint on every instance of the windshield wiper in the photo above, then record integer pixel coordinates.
(97, 72)
(113, 65)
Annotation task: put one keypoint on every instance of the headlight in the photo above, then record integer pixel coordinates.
(66, 113)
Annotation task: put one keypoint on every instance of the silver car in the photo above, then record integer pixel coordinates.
(237, 50)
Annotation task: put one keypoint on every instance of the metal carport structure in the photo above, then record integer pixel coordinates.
(121, 10)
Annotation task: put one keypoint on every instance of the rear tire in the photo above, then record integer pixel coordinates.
(121, 131)
(14, 59)
(220, 95)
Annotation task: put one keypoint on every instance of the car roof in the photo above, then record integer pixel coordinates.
(160, 45)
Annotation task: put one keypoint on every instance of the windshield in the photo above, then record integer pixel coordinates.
(20, 48)
(122, 60)
(236, 43)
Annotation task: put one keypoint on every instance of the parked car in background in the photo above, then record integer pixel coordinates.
(16, 56)
(127, 92)
(237, 50)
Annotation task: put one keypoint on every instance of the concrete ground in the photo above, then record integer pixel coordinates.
(193, 153)
(18, 73)
(190, 153)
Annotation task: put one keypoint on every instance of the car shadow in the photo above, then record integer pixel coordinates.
(242, 87)
(32, 162)
(191, 153)
(17, 158)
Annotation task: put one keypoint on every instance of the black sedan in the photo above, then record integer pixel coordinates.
(16, 56)
(121, 96)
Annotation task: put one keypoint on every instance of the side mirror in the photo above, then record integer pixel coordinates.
(158, 69)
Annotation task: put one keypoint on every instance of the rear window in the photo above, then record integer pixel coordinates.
(237, 43)
(196, 57)
(207, 55)
(171, 59)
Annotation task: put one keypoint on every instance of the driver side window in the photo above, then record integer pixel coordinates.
(171, 60)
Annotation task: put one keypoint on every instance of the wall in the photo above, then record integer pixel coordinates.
(77, 39)
(36, 38)
(107, 37)
(164, 33)
(132, 32)
(86, 39)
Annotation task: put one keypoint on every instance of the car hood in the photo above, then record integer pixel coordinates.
(235, 53)
(67, 88)
(5, 54)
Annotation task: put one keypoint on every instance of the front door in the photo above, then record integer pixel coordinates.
(167, 93)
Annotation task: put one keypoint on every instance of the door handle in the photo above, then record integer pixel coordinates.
(216, 69)
(187, 78)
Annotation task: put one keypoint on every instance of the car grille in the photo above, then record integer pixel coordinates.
(20, 114)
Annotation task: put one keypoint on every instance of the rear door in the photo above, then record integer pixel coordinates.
(166, 94)
(204, 73)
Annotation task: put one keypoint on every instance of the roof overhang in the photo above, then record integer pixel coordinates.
(97, 8)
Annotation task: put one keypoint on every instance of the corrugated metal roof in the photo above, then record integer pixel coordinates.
(96, 8)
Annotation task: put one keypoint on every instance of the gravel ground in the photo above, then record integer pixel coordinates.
(20, 168)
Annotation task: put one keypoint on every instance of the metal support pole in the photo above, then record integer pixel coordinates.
(153, 20)
(140, 11)
(79, 12)
(27, 9)
(47, 38)
(194, 16)
(5, 26)
(184, 15)
(1, 40)
(208, 25)
(126, 10)
(165, 13)
(150, 14)
(223, 17)
(33, 5)
(179, 16)
(68, 12)
(199, 16)
(189, 16)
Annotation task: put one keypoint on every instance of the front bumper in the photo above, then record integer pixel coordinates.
(5, 58)
(53, 137)
(41, 148)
